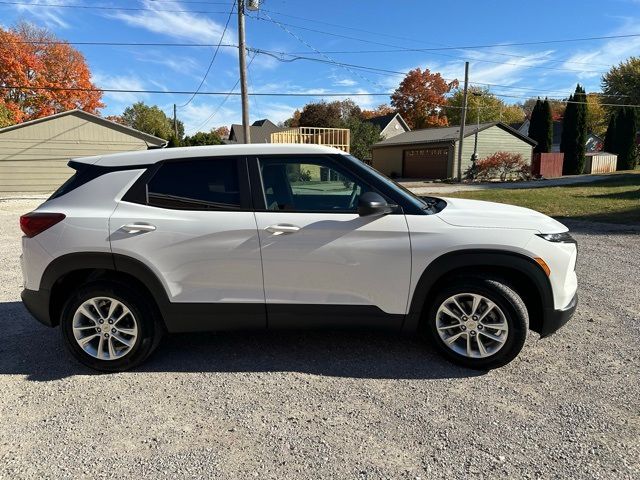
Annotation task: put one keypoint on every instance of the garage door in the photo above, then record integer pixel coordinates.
(426, 163)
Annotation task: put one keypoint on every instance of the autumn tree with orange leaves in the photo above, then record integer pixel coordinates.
(379, 111)
(40, 64)
(420, 97)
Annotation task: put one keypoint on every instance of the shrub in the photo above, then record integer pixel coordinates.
(502, 165)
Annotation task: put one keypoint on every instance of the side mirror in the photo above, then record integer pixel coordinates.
(372, 203)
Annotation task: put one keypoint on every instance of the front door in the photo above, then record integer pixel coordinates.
(323, 264)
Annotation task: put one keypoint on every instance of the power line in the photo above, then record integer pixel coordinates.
(268, 94)
(434, 50)
(101, 7)
(224, 100)
(215, 54)
(299, 39)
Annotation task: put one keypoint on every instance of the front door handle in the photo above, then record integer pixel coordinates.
(138, 227)
(283, 228)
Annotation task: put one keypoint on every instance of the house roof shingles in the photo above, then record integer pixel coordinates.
(446, 134)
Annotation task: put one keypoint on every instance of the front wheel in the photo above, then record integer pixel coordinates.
(479, 323)
(109, 327)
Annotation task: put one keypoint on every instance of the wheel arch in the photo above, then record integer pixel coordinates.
(522, 273)
(69, 271)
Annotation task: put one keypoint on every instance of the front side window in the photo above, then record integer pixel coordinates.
(209, 184)
(309, 185)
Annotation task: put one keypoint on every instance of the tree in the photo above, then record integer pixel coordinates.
(596, 115)
(625, 139)
(43, 68)
(379, 111)
(557, 108)
(328, 115)
(483, 103)
(621, 84)
(363, 136)
(535, 124)
(202, 138)
(6, 118)
(420, 97)
(292, 122)
(612, 131)
(151, 120)
(541, 126)
(574, 133)
(222, 132)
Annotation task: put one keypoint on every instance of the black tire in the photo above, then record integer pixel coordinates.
(149, 325)
(509, 302)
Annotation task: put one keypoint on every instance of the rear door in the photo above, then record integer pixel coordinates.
(323, 264)
(191, 223)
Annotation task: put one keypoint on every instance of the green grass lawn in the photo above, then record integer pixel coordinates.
(614, 200)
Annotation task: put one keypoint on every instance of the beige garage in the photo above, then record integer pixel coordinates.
(34, 155)
(432, 153)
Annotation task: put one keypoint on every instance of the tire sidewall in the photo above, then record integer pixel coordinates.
(515, 316)
(138, 307)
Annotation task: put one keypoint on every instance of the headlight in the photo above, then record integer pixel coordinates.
(558, 237)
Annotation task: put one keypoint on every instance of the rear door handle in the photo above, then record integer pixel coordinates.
(282, 228)
(138, 227)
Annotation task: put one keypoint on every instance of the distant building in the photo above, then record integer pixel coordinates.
(390, 125)
(260, 132)
(432, 153)
(34, 155)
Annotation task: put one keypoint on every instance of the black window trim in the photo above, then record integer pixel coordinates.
(361, 175)
(138, 193)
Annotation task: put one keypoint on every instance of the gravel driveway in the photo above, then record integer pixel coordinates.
(331, 405)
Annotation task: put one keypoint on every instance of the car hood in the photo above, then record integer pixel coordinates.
(476, 213)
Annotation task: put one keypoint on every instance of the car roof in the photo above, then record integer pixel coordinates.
(147, 157)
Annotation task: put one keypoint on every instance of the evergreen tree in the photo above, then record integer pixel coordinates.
(574, 133)
(626, 139)
(546, 127)
(610, 137)
(535, 124)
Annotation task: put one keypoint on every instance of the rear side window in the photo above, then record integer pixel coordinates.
(196, 185)
(83, 174)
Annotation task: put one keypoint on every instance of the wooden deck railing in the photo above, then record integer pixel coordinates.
(331, 137)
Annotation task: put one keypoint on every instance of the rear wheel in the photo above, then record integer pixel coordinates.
(478, 322)
(108, 327)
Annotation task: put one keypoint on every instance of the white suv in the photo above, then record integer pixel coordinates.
(284, 236)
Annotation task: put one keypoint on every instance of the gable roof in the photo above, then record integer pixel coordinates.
(92, 118)
(260, 132)
(448, 134)
(383, 121)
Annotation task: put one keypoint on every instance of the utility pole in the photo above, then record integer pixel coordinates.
(242, 54)
(175, 122)
(463, 118)
(475, 143)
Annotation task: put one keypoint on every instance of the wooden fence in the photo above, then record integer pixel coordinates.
(331, 137)
(547, 165)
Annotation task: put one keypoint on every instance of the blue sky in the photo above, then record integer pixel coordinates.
(518, 72)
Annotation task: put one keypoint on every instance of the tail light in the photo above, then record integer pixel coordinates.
(35, 222)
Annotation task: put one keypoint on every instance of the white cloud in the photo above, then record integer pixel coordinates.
(52, 17)
(345, 82)
(610, 52)
(182, 25)
(121, 82)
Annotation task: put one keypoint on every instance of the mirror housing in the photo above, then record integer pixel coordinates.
(372, 203)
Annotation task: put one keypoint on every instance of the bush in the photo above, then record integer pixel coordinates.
(502, 165)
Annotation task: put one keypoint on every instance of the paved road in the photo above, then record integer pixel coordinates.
(331, 405)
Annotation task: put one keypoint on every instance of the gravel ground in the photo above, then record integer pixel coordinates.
(331, 405)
